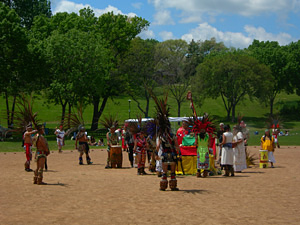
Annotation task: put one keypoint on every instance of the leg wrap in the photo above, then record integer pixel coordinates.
(35, 178)
(164, 182)
(40, 177)
(80, 161)
(40, 173)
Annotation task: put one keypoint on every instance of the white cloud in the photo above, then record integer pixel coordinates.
(166, 35)
(261, 34)
(163, 17)
(234, 39)
(147, 34)
(193, 9)
(68, 6)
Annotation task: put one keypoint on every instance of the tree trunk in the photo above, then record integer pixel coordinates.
(63, 112)
(147, 106)
(70, 111)
(233, 112)
(178, 109)
(7, 109)
(97, 113)
(271, 106)
(13, 111)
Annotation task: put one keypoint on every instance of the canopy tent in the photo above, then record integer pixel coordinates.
(171, 119)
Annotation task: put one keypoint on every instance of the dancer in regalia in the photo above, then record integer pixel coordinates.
(204, 130)
(167, 142)
(83, 147)
(42, 151)
(111, 124)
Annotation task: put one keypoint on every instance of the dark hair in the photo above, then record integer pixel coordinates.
(227, 127)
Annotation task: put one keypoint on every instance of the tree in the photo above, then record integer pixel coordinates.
(293, 65)
(117, 31)
(13, 57)
(98, 73)
(28, 9)
(170, 61)
(275, 57)
(197, 51)
(231, 75)
(139, 65)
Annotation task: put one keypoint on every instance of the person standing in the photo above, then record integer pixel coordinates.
(182, 131)
(129, 142)
(220, 139)
(227, 151)
(239, 152)
(83, 147)
(140, 149)
(60, 138)
(268, 143)
(112, 139)
(42, 151)
(28, 145)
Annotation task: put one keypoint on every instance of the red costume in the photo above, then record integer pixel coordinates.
(181, 132)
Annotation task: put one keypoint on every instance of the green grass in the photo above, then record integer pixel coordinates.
(255, 116)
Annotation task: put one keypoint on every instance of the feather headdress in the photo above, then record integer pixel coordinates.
(202, 125)
(74, 121)
(163, 125)
(109, 122)
(24, 115)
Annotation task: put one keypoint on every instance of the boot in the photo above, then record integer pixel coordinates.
(198, 173)
(139, 171)
(173, 183)
(231, 171)
(80, 161)
(40, 181)
(27, 166)
(205, 173)
(143, 171)
(226, 171)
(88, 160)
(163, 183)
(159, 174)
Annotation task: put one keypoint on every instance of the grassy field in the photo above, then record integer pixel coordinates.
(255, 116)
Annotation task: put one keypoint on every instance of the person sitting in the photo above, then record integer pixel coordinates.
(100, 142)
(93, 141)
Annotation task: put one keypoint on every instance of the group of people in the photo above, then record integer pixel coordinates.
(159, 145)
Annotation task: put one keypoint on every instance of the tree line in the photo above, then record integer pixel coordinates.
(80, 59)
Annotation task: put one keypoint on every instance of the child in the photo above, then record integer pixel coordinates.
(268, 143)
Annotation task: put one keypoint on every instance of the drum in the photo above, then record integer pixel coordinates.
(116, 157)
(264, 159)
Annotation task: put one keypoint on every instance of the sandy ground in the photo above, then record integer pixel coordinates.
(90, 194)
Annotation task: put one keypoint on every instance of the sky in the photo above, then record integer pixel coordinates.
(236, 23)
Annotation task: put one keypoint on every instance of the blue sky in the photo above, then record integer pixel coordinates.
(234, 22)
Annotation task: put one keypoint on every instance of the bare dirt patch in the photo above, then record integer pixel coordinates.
(90, 194)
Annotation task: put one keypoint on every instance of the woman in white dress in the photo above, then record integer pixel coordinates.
(227, 151)
(239, 153)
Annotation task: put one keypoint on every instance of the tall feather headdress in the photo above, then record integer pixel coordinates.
(24, 114)
(163, 125)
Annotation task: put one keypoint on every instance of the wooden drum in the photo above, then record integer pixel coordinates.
(116, 157)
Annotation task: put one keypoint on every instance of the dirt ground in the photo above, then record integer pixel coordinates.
(90, 194)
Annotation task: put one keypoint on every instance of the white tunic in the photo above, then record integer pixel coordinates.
(239, 153)
(227, 152)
